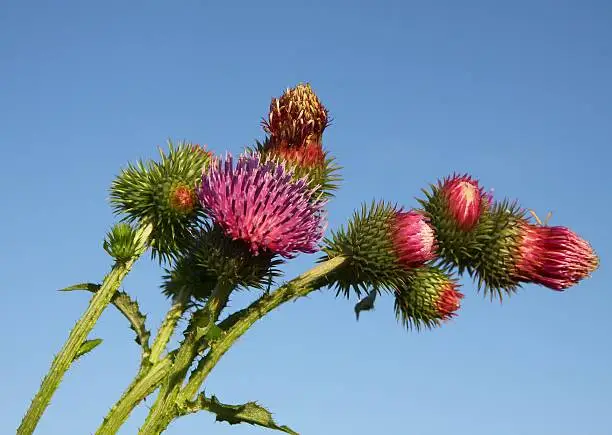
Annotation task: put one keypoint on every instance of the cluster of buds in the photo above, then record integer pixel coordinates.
(215, 218)
(497, 244)
(219, 218)
(389, 248)
(459, 226)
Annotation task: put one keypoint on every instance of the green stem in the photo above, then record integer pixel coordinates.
(151, 371)
(301, 286)
(79, 333)
(164, 409)
(168, 325)
(140, 388)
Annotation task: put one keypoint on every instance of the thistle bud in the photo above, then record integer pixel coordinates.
(464, 198)
(458, 210)
(554, 257)
(163, 194)
(382, 242)
(414, 240)
(295, 125)
(513, 251)
(429, 298)
(297, 117)
(120, 242)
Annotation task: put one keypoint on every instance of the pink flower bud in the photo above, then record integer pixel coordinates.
(464, 197)
(413, 239)
(449, 300)
(554, 257)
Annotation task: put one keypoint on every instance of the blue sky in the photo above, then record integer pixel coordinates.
(516, 93)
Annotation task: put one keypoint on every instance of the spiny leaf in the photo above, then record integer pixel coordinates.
(128, 307)
(249, 412)
(87, 346)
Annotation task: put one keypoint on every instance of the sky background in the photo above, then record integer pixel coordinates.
(517, 94)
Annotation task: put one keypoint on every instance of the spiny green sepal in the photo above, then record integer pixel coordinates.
(120, 242)
(213, 256)
(366, 242)
(416, 303)
(163, 193)
(494, 262)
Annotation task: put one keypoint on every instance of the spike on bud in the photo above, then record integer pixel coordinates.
(464, 197)
(414, 239)
(261, 204)
(182, 199)
(554, 257)
(488, 197)
(202, 149)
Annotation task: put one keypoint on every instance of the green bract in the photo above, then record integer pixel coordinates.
(367, 244)
(416, 304)
(494, 262)
(120, 242)
(456, 247)
(162, 193)
(213, 257)
(486, 252)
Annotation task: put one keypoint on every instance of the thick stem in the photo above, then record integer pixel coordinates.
(140, 388)
(298, 287)
(78, 335)
(164, 409)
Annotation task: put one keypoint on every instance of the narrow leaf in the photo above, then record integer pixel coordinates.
(82, 286)
(87, 346)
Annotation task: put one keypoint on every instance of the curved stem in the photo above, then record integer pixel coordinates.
(298, 287)
(79, 333)
(140, 388)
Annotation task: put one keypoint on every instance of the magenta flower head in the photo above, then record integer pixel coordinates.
(413, 238)
(464, 197)
(554, 257)
(263, 205)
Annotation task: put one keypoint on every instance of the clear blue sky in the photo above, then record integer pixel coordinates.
(516, 93)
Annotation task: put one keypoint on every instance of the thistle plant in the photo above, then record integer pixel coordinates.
(220, 224)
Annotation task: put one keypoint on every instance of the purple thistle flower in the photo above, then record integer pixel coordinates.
(261, 204)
